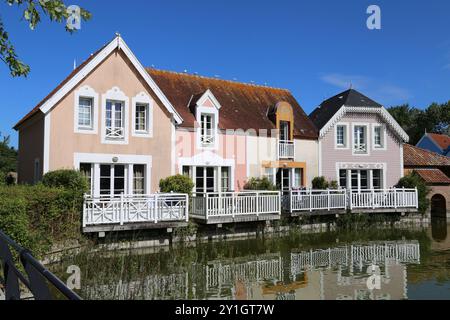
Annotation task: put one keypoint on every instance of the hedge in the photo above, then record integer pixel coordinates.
(38, 217)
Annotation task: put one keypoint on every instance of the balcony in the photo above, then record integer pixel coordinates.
(286, 149)
(230, 207)
(129, 212)
(373, 200)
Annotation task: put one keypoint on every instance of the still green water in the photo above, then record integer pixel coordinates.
(371, 264)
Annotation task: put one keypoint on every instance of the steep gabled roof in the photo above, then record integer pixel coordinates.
(442, 140)
(328, 108)
(244, 106)
(433, 176)
(86, 68)
(417, 157)
(333, 109)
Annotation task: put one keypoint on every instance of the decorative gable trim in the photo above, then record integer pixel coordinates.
(208, 95)
(116, 43)
(382, 112)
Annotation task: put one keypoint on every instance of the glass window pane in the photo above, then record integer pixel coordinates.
(119, 179)
(225, 174)
(139, 179)
(199, 180)
(105, 179)
(85, 112)
(343, 178)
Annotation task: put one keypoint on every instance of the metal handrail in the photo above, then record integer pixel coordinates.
(36, 274)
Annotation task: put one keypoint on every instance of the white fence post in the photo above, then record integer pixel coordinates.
(121, 209)
(328, 199)
(395, 198)
(416, 198)
(310, 200)
(257, 204)
(206, 197)
(85, 210)
(186, 207)
(156, 208)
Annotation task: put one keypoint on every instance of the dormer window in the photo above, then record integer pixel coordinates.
(207, 136)
(206, 110)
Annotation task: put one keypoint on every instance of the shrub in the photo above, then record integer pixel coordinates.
(413, 180)
(14, 220)
(260, 184)
(178, 184)
(68, 179)
(319, 183)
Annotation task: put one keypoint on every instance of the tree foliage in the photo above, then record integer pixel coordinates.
(436, 118)
(8, 158)
(413, 180)
(55, 10)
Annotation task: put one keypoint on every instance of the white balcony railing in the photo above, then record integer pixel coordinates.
(383, 199)
(360, 148)
(309, 200)
(115, 133)
(286, 149)
(232, 204)
(312, 200)
(124, 209)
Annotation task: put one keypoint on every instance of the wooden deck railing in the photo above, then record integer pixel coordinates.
(123, 209)
(312, 200)
(226, 204)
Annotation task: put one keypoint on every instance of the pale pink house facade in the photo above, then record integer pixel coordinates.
(360, 144)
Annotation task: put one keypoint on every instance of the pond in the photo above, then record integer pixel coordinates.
(374, 264)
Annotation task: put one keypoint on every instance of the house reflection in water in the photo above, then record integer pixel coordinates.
(335, 273)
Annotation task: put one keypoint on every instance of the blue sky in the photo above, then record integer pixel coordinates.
(314, 48)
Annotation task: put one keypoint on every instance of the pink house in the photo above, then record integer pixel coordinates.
(360, 143)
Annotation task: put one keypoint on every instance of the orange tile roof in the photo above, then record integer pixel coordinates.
(244, 106)
(442, 140)
(433, 176)
(414, 156)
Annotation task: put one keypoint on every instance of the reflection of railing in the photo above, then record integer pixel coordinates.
(218, 274)
(124, 209)
(311, 200)
(407, 252)
(232, 204)
(160, 287)
(36, 277)
(286, 149)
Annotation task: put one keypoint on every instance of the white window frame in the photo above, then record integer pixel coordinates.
(97, 159)
(383, 137)
(346, 146)
(89, 93)
(213, 112)
(367, 139)
(115, 94)
(143, 98)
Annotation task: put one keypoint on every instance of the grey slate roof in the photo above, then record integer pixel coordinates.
(328, 108)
